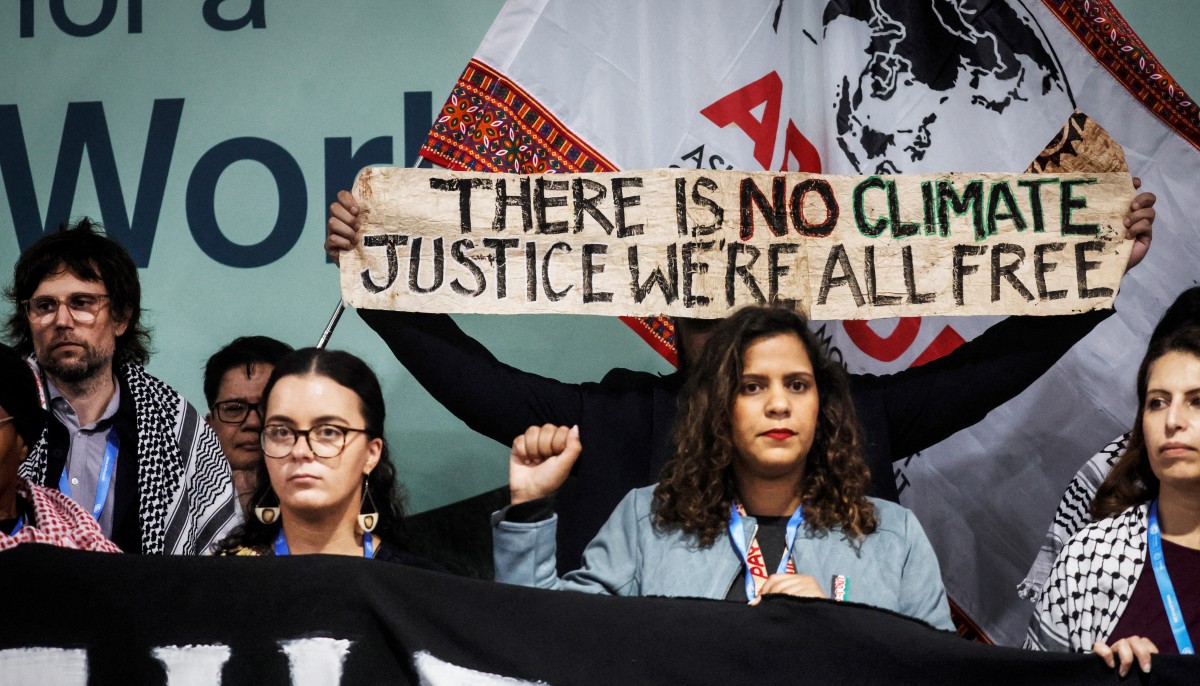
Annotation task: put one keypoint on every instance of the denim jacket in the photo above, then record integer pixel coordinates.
(893, 568)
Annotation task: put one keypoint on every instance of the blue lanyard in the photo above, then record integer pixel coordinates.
(106, 471)
(737, 533)
(281, 546)
(1170, 602)
(20, 523)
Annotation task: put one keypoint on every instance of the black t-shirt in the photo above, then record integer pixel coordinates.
(772, 540)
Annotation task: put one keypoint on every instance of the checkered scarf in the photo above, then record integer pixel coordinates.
(1090, 584)
(57, 520)
(186, 500)
(1074, 511)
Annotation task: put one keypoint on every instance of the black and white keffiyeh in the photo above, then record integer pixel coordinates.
(1072, 514)
(1090, 584)
(186, 500)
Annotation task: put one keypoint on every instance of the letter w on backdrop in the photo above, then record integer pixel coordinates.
(859, 87)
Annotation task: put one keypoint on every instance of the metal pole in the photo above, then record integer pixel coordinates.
(341, 306)
(333, 321)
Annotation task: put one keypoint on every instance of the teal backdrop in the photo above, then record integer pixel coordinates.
(255, 111)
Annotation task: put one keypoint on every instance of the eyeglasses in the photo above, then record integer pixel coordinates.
(235, 411)
(83, 307)
(6, 419)
(325, 440)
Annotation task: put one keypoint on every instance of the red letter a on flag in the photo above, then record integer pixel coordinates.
(735, 109)
(797, 146)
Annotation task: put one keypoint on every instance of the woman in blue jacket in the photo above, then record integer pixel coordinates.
(765, 492)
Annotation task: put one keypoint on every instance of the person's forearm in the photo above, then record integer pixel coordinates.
(493, 398)
(928, 404)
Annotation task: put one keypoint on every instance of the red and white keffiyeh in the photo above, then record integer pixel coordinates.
(58, 520)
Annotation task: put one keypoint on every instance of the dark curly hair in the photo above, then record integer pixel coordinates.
(1131, 481)
(696, 488)
(20, 398)
(384, 487)
(81, 249)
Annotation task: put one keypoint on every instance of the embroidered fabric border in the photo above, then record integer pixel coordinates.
(490, 124)
(1103, 32)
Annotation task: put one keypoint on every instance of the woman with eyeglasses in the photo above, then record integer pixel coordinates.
(327, 484)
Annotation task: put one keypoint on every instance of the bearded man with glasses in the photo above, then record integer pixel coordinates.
(121, 443)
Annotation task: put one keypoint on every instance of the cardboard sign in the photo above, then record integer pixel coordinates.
(696, 243)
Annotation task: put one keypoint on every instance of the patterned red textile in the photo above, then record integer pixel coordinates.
(1102, 30)
(59, 521)
(489, 123)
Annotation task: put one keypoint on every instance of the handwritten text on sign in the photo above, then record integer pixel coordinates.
(702, 243)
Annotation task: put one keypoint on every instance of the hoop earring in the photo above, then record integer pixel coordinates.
(367, 520)
(267, 515)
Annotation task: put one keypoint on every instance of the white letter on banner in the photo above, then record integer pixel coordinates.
(316, 661)
(435, 672)
(192, 665)
(45, 666)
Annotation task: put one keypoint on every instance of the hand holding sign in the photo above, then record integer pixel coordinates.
(342, 228)
(540, 461)
(698, 243)
(1139, 225)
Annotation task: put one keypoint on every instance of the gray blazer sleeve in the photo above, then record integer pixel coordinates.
(524, 553)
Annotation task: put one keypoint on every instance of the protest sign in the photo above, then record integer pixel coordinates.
(700, 244)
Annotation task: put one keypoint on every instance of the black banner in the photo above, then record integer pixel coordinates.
(89, 618)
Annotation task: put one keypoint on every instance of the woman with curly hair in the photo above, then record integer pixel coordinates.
(327, 484)
(766, 476)
(1127, 585)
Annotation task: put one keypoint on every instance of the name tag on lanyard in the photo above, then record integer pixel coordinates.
(751, 553)
(107, 467)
